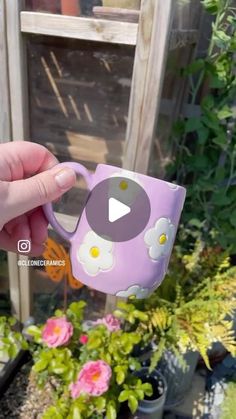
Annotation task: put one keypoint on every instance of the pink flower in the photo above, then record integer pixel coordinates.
(110, 321)
(57, 332)
(93, 379)
(83, 339)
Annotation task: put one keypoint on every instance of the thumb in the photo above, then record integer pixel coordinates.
(21, 196)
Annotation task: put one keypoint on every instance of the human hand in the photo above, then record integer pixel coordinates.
(28, 180)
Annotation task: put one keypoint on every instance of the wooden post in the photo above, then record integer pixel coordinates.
(5, 135)
(19, 117)
(149, 65)
(5, 126)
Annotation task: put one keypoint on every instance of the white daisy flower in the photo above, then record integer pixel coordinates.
(160, 238)
(95, 254)
(125, 191)
(127, 174)
(134, 291)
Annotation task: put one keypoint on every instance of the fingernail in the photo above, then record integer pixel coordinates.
(65, 178)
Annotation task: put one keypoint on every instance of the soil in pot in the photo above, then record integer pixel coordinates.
(23, 399)
(157, 386)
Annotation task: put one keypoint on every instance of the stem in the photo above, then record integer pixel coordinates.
(65, 295)
(209, 51)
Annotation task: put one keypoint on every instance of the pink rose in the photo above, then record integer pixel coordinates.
(93, 379)
(83, 339)
(110, 321)
(57, 332)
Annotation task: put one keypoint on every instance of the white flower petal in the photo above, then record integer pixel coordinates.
(156, 251)
(102, 260)
(150, 236)
(106, 261)
(105, 245)
(83, 252)
(90, 237)
(134, 290)
(91, 268)
(162, 225)
(172, 185)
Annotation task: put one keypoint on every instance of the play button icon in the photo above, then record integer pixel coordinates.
(118, 209)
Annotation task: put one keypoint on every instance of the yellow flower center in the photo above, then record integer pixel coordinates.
(57, 330)
(162, 239)
(123, 185)
(96, 376)
(94, 252)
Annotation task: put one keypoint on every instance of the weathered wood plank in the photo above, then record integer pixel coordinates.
(90, 29)
(14, 283)
(115, 13)
(180, 38)
(88, 151)
(5, 129)
(150, 60)
(20, 126)
(17, 72)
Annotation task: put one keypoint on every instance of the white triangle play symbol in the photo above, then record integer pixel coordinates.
(117, 210)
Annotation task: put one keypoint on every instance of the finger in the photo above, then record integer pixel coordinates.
(38, 226)
(21, 196)
(10, 242)
(22, 159)
(11, 225)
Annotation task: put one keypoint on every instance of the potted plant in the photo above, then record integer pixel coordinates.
(152, 406)
(92, 371)
(12, 345)
(192, 309)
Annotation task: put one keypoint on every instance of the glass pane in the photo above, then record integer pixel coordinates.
(96, 8)
(79, 98)
(173, 96)
(51, 288)
(5, 306)
(187, 14)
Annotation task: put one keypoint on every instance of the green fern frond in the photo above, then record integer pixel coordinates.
(157, 354)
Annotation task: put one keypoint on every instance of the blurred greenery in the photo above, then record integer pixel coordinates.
(204, 147)
(228, 405)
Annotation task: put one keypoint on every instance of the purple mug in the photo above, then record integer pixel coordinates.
(134, 267)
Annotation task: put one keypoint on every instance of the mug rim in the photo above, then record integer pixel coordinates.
(143, 175)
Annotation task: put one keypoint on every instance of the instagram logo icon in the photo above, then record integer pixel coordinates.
(24, 246)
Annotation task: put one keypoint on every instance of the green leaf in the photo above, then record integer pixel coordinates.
(194, 67)
(207, 102)
(193, 124)
(94, 343)
(100, 403)
(233, 218)
(221, 39)
(111, 410)
(224, 113)
(35, 332)
(220, 198)
(75, 413)
(139, 393)
(124, 395)
(203, 134)
(220, 140)
(59, 313)
(211, 6)
(40, 365)
(147, 388)
(132, 403)
(120, 377)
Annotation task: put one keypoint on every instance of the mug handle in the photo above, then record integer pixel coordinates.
(47, 208)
